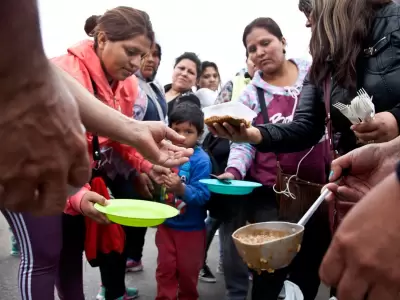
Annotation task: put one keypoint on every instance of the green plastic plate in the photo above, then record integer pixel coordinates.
(234, 187)
(137, 213)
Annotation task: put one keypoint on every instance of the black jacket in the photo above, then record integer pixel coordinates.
(378, 72)
(188, 96)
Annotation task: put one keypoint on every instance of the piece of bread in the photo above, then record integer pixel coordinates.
(226, 119)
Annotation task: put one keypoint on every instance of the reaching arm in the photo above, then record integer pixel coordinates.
(22, 57)
(98, 117)
(106, 121)
(306, 129)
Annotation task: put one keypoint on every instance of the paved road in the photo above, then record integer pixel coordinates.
(145, 280)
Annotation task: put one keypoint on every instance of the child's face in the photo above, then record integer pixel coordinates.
(188, 131)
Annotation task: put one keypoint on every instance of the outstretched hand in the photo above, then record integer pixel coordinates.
(155, 141)
(240, 134)
(367, 166)
(362, 261)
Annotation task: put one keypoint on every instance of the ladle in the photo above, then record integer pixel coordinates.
(303, 221)
(276, 253)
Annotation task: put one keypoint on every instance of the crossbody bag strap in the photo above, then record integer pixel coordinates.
(263, 106)
(328, 121)
(264, 112)
(95, 139)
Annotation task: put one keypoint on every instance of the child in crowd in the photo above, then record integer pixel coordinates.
(181, 240)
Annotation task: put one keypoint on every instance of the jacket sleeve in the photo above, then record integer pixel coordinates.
(197, 193)
(74, 202)
(306, 129)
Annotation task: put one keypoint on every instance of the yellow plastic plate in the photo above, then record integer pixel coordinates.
(137, 213)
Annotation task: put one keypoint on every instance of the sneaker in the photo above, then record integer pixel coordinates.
(101, 295)
(133, 266)
(206, 275)
(131, 293)
(220, 268)
(14, 246)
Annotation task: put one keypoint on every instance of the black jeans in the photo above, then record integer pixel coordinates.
(122, 188)
(112, 273)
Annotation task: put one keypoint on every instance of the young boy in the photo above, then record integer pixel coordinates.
(181, 240)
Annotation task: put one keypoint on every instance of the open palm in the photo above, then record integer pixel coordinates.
(156, 143)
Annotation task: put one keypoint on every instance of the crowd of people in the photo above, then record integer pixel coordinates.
(116, 132)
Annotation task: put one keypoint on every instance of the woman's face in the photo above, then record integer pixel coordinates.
(184, 75)
(265, 50)
(209, 79)
(122, 59)
(150, 62)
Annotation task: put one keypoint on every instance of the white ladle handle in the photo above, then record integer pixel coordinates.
(303, 221)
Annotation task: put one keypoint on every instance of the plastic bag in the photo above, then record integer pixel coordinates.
(291, 291)
(232, 109)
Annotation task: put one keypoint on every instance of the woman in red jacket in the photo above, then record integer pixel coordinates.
(52, 245)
